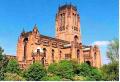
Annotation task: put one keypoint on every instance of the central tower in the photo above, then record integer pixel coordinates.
(68, 23)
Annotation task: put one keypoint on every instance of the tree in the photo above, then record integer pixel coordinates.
(90, 73)
(110, 71)
(13, 66)
(64, 69)
(113, 50)
(3, 63)
(35, 72)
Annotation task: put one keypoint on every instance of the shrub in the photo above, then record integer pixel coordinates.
(35, 72)
(13, 66)
(64, 69)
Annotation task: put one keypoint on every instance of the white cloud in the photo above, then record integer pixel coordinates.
(101, 43)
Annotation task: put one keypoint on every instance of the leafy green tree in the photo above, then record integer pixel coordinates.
(90, 73)
(35, 72)
(84, 69)
(13, 66)
(110, 71)
(64, 69)
(113, 50)
(13, 77)
(3, 63)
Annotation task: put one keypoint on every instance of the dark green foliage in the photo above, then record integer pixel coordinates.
(63, 68)
(13, 66)
(1, 54)
(53, 68)
(110, 71)
(3, 63)
(89, 72)
(35, 72)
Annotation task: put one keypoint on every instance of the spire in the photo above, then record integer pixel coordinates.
(35, 28)
(23, 30)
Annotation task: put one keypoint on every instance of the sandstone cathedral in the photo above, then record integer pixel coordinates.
(67, 44)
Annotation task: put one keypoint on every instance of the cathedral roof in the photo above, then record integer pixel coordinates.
(47, 37)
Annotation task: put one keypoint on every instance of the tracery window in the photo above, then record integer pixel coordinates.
(53, 55)
(78, 55)
(60, 55)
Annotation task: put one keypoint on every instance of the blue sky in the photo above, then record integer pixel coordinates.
(99, 20)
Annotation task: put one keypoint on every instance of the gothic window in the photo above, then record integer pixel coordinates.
(95, 55)
(78, 55)
(75, 19)
(44, 52)
(53, 55)
(88, 62)
(38, 51)
(63, 20)
(60, 55)
(60, 19)
(25, 44)
(76, 38)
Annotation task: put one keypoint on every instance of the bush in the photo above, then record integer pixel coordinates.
(63, 68)
(110, 72)
(35, 72)
(13, 66)
(13, 77)
(90, 73)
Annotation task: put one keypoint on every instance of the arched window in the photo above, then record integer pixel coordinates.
(44, 52)
(95, 55)
(88, 62)
(52, 55)
(76, 38)
(38, 51)
(78, 55)
(60, 55)
(25, 44)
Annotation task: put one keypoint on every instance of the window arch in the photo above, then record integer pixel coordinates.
(78, 55)
(44, 52)
(76, 38)
(53, 55)
(95, 55)
(60, 55)
(88, 62)
(25, 44)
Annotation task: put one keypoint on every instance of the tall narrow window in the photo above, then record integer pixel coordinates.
(75, 18)
(95, 55)
(38, 51)
(78, 55)
(52, 55)
(44, 52)
(63, 20)
(25, 44)
(60, 19)
(60, 55)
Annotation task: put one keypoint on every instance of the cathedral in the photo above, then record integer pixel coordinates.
(66, 45)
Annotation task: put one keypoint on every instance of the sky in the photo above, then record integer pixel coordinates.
(98, 19)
